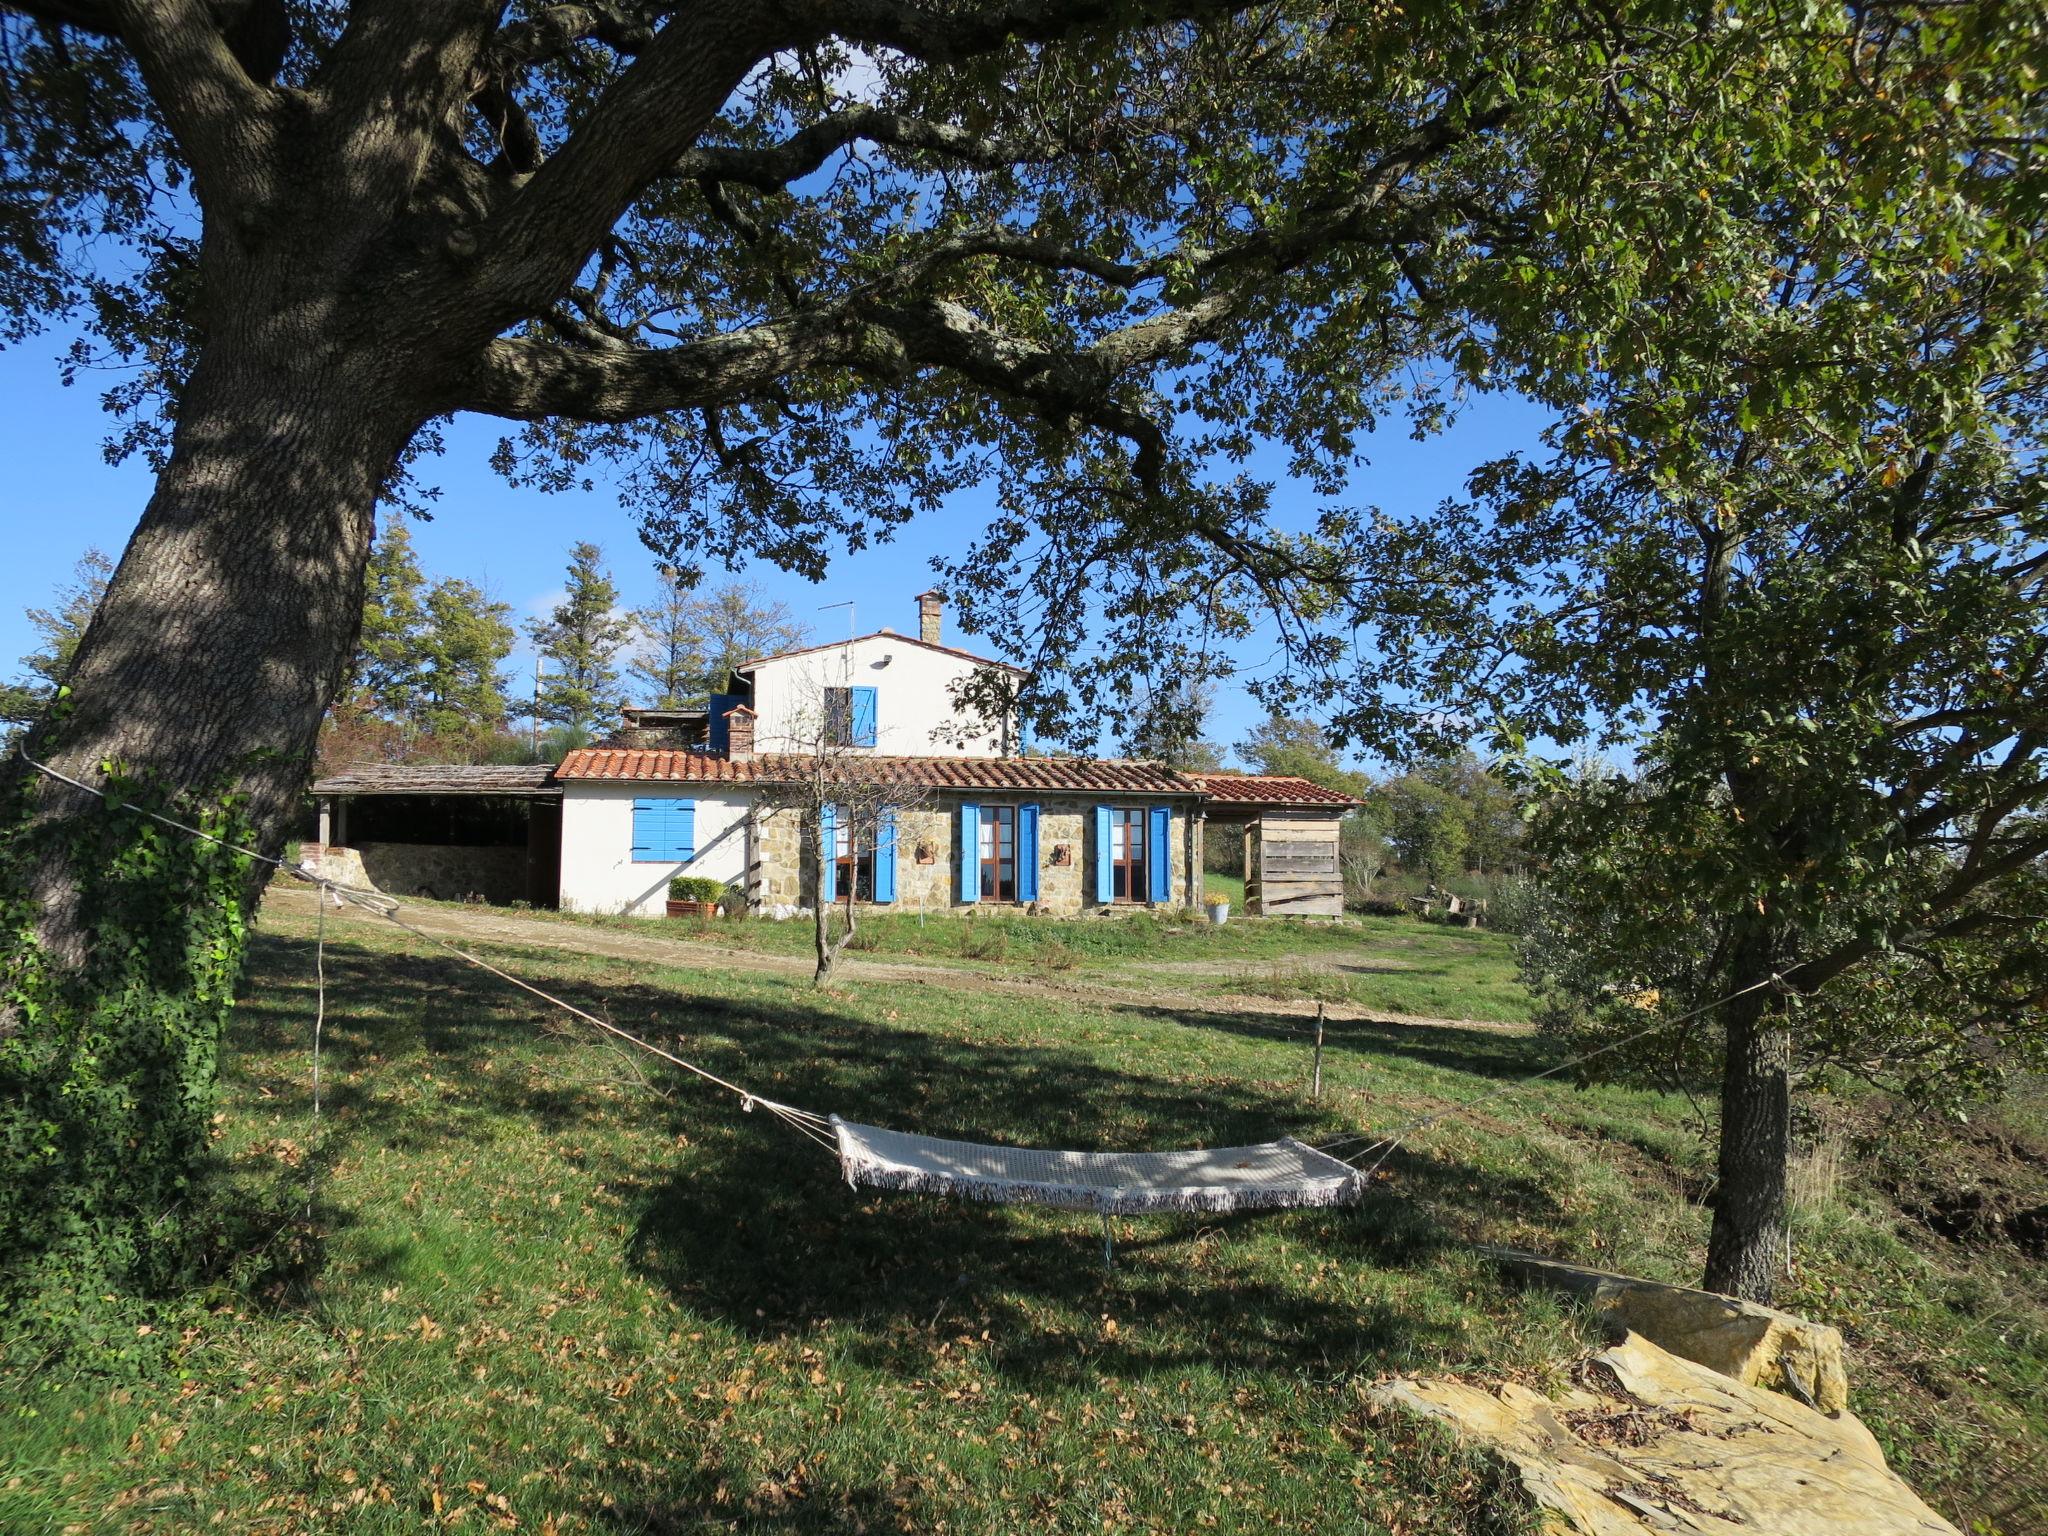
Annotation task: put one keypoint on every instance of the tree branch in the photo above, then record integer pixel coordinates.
(775, 166)
(220, 117)
(928, 33)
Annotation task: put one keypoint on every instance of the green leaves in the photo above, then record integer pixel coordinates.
(107, 1086)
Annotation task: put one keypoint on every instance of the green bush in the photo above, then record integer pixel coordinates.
(696, 888)
(984, 941)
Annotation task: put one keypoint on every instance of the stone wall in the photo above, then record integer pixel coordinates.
(781, 873)
(446, 872)
(1066, 851)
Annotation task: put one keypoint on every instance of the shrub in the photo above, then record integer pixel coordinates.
(984, 941)
(696, 888)
(1057, 955)
(1513, 906)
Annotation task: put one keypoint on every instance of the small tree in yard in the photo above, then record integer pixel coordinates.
(1788, 544)
(846, 808)
(1426, 826)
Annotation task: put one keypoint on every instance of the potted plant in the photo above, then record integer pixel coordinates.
(694, 896)
(1218, 908)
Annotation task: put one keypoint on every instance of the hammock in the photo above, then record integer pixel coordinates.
(1273, 1175)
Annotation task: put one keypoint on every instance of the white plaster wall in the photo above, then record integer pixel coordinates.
(913, 698)
(598, 872)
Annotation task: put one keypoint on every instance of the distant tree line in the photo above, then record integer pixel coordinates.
(430, 680)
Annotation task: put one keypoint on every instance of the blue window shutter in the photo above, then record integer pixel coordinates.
(828, 854)
(885, 855)
(664, 831)
(1159, 853)
(863, 717)
(970, 853)
(1105, 877)
(1027, 853)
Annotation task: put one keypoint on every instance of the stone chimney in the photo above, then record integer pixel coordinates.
(931, 617)
(739, 734)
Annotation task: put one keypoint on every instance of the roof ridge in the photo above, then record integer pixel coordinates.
(880, 634)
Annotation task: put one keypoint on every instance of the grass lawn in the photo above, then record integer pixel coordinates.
(1395, 964)
(540, 1291)
(1231, 886)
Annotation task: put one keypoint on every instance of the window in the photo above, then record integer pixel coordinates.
(1127, 880)
(998, 853)
(850, 717)
(846, 865)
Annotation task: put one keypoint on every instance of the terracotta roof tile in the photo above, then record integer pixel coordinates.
(1081, 774)
(1270, 789)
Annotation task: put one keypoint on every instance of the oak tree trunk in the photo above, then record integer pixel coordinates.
(198, 688)
(1745, 1251)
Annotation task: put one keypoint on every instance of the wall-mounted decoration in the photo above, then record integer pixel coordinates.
(1063, 853)
(926, 853)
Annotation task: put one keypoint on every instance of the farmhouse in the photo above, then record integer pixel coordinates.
(966, 820)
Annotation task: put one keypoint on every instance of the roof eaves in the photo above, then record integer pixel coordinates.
(884, 634)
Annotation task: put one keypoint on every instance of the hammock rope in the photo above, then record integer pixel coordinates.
(1268, 1176)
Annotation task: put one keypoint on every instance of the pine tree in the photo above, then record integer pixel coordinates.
(465, 642)
(668, 664)
(581, 641)
(391, 653)
(692, 642)
(1168, 721)
(61, 628)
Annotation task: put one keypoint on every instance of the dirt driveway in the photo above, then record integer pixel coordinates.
(489, 926)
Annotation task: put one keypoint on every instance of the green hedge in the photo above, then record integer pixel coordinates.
(695, 888)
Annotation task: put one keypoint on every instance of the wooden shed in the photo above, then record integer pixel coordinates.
(1291, 831)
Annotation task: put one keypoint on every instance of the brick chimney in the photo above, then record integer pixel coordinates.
(739, 734)
(931, 616)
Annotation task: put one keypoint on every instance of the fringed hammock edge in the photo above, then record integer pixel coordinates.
(1273, 1175)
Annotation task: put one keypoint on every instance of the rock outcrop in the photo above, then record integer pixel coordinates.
(1650, 1444)
(1757, 1346)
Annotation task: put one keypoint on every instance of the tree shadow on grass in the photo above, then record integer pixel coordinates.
(753, 1225)
(1480, 1052)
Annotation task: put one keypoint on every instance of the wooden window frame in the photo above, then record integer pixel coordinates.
(992, 821)
(1132, 872)
(845, 866)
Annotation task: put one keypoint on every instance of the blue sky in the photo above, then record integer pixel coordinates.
(62, 497)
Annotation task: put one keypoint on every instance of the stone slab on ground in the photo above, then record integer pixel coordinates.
(1654, 1445)
(1756, 1345)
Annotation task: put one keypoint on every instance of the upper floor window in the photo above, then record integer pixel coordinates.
(850, 717)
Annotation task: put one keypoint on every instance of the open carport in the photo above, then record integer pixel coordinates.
(448, 831)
